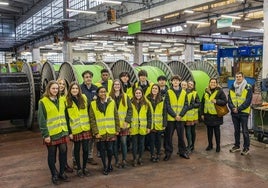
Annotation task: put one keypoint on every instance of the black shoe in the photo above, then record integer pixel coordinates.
(110, 168)
(68, 169)
(86, 172)
(185, 156)
(105, 172)
(55, 180)
(80, 173)
(167, 157)
(124, 164)
(63, 177)
(140, 162)
(209, 148)
(218, 149)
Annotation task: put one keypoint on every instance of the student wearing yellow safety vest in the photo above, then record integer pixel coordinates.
(124, 77)
(105, 124)
(105, 81)
(239, 100)
(191, 115)
(54, 129)
(159, 120)
(78, 121)
(140, 125)
(213, 95)
(177, 105)
(162, 82)
(63, 93)
(124, 107)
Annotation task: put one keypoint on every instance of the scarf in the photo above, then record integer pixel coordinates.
(239, 88)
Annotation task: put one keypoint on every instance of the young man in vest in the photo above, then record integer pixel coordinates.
(239, 100)
(177, 105)
(105, 81)
(89, 89)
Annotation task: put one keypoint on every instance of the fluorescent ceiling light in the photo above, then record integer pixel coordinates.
(4, 3)
(81, 11)
(196, 22)
(189, 11)
(235, 26)
(113, 2)
(229, 16)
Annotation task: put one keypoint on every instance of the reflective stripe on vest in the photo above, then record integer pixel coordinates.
(148, 90)
(79, 119)
(157, 116)
(209, 106)
(105, 121)
(192, 115)
(176, 104)
(56, 122)
(122, 111)
(238, 100)
(139, 121)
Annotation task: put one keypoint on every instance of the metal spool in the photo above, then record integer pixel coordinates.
(204, 66)
(123, 66)
(47, 74)
(17, 93)
(162, 66)
(153, 72)
(181, 69)
(257, 88)
(72, 73)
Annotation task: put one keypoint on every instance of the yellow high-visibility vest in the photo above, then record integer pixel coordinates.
(176, 104)
(209, 106)
(109, 87)
(157, 116)
(56, 121)
(122, 111)
(105, 121)
(238, 100)
(139, 121)
(192, 115)
(79, 118)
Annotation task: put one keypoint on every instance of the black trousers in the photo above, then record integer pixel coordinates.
(169, 131)
(51, 158)
(106, 147)
(217, 133)
(77, 146)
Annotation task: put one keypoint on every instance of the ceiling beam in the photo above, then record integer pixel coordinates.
(9, 8)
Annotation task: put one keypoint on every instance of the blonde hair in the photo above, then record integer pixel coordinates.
(64, 92)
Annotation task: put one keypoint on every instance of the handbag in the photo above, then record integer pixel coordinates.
(221, 110)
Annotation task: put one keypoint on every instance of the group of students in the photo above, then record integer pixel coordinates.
(114, 112)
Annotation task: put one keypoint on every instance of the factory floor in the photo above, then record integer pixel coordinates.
(23, 163)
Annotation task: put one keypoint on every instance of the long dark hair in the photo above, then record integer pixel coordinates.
(81, 102)
(158, 96)
(112, 93)
(142, 100)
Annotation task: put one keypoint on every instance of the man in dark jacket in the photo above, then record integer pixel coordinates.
(239, 100)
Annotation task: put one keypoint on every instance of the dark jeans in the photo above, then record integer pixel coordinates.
(116, 146)
(190, 135)
(106, 147)
(155, 142)
(51, 158)
(77, 146)
(241, 121)
(137, 145)
(169, 131)
(217, 133)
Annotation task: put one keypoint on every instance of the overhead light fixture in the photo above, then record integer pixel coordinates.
(113, 2)
(229, 16)
(196, 22)
(189, 11)
(4, 3)
(81, 11)
(235, 26)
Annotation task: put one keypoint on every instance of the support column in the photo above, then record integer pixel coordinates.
(189, 52)
(265, 41)
(36, 54)
(138, 55)
(67, 52)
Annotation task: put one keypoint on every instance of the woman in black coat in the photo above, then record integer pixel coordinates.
(213, 95)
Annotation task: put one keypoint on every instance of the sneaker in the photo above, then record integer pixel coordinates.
(140, 162)
(63, 177)
(234, 149)
(245, 151)
(80, 173)
(134, 163)
(124, 164)
(55, 180)
(91, 161)
(86, 172)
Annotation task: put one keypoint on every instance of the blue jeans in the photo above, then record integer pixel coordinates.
(123, 140)
(137, 145)
(241, 121)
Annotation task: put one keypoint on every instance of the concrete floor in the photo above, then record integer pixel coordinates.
(23, 163)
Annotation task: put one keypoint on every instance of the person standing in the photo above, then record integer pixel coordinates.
(239, 100)
(89, 89)
(162, 82)
(104, 121)
(213, 95)
(78, 121)
(140, 125)
(191, 115)
(177, 105)
(124, 77)
(159, 121)
(124, 107)
(105, 81)
(54, 129)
